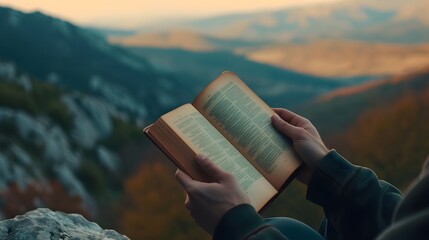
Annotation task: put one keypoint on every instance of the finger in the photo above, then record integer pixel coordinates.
(184, 179)
(284, 127)
(187, 202)
(289, 116)
(214, 172)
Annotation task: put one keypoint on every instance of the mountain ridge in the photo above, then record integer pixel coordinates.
(333, 58)
(180, 38)
(63, 53)
(273, 84)
(353, 90)
(392, 21)
(338, 110)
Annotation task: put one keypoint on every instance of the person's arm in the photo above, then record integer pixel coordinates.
(411, 219)
(219, 205)
(356, 203)
(221, 208)
(243, 223)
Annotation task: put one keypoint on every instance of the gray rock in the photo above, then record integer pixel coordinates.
(27, 125)
(54, 140)
(109, 159)
(5, 174)
(58, 149)
(7, 70)
(84, 131)
(21, 155)
(25, 82)
(72, 184)
(44, 223)
(100, 113)
(20, 177)
(118, 96)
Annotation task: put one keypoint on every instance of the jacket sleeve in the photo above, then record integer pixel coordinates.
(411, 219)
(357, 204)
(244, 223)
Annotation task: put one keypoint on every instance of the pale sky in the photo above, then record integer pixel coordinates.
(133, 13)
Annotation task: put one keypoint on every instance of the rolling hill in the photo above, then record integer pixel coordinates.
(382, 126)
(275, 85)
(338, 110)
(341, 39)
(392, 21)
(340, 58)
(183, 39)
(325, 58)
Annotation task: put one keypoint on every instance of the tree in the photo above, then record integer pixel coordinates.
(154, 206)
(16, 201)
(392, 140)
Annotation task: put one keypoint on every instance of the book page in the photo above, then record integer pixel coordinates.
(203, 138)
(245, 120)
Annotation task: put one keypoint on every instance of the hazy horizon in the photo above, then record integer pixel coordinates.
(137, 13)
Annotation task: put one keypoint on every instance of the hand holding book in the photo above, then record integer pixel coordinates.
(208, 202)
(231, 125)
(306, 140)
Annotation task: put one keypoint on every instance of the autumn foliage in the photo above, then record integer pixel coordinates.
(154, 207)
(17, 201)
(392, 140)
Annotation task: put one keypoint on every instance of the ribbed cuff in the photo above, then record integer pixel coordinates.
(238, 223)
(330, 179)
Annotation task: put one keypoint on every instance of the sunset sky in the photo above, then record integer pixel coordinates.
(133, 13)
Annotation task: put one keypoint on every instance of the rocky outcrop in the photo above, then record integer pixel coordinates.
(37, 147)
(44, 223)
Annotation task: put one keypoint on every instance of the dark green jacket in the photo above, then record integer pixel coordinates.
(357, 205)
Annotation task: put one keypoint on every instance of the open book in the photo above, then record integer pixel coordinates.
(230, 125)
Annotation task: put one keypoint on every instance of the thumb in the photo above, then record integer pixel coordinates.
(284, 127)
(212, 170)
(184, 180)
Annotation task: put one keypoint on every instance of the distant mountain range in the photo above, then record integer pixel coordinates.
(184, 39)
(137, 80)
(335, 58)
(326, 58)
(278, 87)
(393, 21)
(341, 39)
